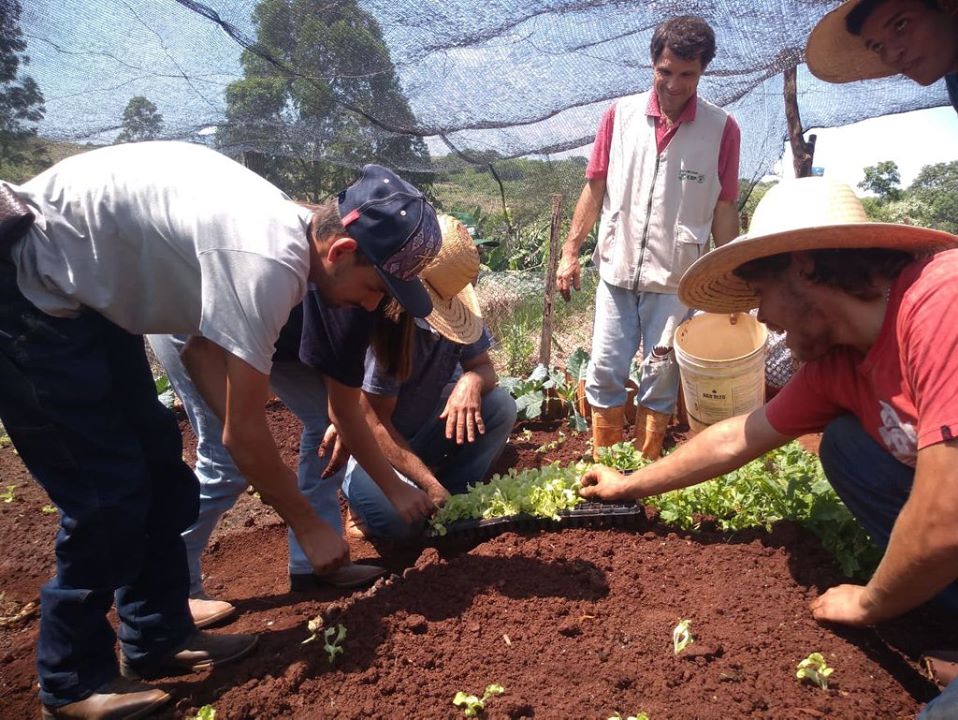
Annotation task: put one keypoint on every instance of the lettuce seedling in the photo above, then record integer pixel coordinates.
(814, 669)
(333, 646)
(48, 510)
(640, 716)
(207, 712)
(473, 705)
(8, 496)
(682, 636)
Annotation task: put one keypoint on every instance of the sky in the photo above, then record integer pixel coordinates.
(912, 140)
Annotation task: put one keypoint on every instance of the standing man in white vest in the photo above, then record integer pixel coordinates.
(664, 173)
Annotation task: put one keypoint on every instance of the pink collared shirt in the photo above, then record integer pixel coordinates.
(728, 151)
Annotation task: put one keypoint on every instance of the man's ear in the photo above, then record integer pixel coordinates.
(340, 247)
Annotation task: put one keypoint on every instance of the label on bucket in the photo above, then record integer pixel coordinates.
(710, 399)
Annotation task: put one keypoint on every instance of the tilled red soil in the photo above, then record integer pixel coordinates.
(573, 624)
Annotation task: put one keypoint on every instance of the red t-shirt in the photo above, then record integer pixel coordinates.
(905, 389)
(598, 166)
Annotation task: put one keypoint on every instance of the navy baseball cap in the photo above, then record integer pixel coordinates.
(396, 229)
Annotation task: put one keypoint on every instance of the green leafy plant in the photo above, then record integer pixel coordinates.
(682, 636)
(164, 390)
(8, 495)
(334, 641)
(543, 492)
(623, 456)
(529, 393)
(473, 705)
(48, 510)
(814, 669)
(207, 712)
(640, 716)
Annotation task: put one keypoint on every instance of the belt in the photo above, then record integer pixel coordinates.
(15, 219)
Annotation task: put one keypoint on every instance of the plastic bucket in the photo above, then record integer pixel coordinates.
(721, 361)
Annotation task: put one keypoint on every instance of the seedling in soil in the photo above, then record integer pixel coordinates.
(48, 510)
(207, 712)
(815, 670)
(640, 716)
(473, 705)
(333, 646)
(8, 495)
(552, 445)
(682, 636)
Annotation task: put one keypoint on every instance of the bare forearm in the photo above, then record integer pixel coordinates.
(402, 458)
(725, 225)
(586, 214)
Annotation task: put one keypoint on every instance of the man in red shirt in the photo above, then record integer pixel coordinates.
(664, 174)
(869, 310)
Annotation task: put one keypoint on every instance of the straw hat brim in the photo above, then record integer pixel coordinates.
(710, 285)
(835, 55)
(458, 319)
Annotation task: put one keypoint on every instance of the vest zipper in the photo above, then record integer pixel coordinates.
(645, 230)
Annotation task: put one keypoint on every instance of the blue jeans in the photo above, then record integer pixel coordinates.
(874, 486)
(455, 466)
(78, 401)
(624, 321)
(303, 390)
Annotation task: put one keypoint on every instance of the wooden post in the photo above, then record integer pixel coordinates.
(802, 152)
(548, 308)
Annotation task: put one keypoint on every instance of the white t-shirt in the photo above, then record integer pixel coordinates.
(166, 237)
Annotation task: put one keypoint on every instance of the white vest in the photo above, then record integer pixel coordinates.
(657, 210)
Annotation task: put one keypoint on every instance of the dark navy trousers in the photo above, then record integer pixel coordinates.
(78, 401)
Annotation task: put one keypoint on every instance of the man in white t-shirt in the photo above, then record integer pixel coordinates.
(167, 238)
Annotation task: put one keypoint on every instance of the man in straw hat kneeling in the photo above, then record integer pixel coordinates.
(445, 423)
(864, 39)
(867, 307)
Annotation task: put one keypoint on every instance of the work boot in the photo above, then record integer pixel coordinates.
(607, 424)
(349, 577)
(650, 427)
(201, 651)
(206, 611)
(119, 699)
(355, 528)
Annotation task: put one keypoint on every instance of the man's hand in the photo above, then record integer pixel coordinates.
(325, 548)
(568, 275)
(845, 604)
(411, 503)
(338, 453)
(463, 411)
(438, 494)
(606, 485)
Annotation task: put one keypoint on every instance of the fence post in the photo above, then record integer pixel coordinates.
(548, 308)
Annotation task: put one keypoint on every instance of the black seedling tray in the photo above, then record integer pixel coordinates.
(584, 515)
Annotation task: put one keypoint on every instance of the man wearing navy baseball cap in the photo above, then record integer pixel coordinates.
(95, 253)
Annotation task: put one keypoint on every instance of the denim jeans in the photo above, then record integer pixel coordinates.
(874, 486)
(625, 321)
(78, 401)
(455, 466)
(303, 390)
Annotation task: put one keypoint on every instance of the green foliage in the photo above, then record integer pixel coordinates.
(518, 335)
(207, 712)
(815, 670)
(306, 110)
(21, 102)
(935, 192)
(141, 121)
(334, 641)
(164, 390)
(530, 394)
(883, 179)
(8, 495)
(48, 510)
(623, 456)
(473, 705)
(682, 636)
(640, 716)
(542, 492)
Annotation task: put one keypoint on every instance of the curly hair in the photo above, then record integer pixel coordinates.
(688, 36)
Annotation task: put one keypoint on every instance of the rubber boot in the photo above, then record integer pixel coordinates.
(607, 424)
(638, 437)
(653, 437)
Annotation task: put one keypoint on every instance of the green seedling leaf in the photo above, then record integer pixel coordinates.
(8, 495)
(207, 712)
(48, 510)
(333, 646)
(815, 670)
(640, 716)
(473, 705)
(682, 636)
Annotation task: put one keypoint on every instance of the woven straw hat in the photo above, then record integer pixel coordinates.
(835, 55)
(448, 280)
(808, 214)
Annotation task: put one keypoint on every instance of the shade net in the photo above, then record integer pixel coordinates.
(417, 83)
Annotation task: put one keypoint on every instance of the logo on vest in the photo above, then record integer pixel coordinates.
(691, 175)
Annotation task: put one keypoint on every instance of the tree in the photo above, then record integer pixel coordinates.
(141, 121)
(935, 191)
(321, 72)
(21, 102)
(883, 179)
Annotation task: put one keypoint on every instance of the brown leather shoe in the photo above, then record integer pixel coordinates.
(355, 528)
(119, 699)
(348, 577)
(206, 611)
(201, 651)
(941, 666)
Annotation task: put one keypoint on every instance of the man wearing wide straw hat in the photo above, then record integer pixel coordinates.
(864, 39)
(444, 424)
(869, 309)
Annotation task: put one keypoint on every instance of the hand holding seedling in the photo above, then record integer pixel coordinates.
(845, 604)
(606, 485)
